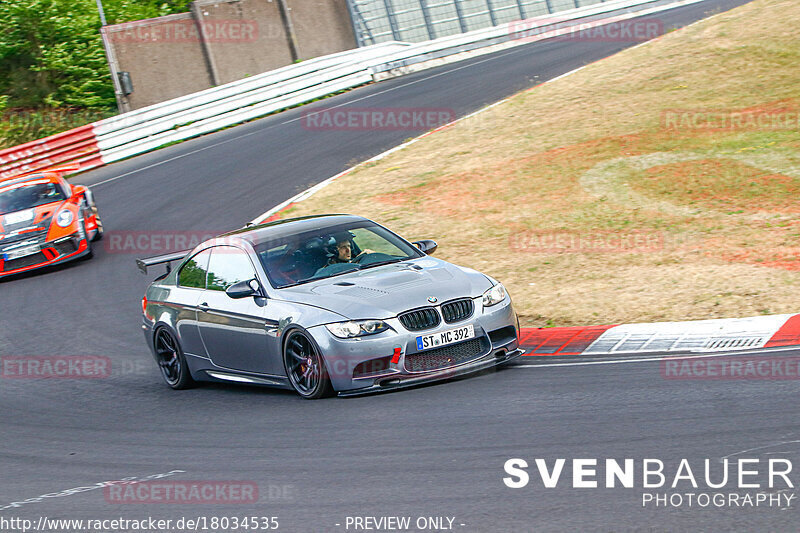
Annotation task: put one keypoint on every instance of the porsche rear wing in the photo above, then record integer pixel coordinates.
(144, 264)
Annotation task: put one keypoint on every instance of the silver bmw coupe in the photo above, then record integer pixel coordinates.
(322, 305)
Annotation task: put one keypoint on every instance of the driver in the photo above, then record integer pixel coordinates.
(48, 192)
(344, 251)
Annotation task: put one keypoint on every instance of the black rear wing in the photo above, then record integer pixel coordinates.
(144, 264)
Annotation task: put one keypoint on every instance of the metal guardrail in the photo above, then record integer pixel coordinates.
(149, 128)
(209, 110)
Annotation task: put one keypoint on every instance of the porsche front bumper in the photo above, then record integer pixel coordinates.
(51, 253)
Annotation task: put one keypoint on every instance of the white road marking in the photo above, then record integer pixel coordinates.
(93, 486)
(760, 448)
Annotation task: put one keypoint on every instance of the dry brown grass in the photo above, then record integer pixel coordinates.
(587, 155)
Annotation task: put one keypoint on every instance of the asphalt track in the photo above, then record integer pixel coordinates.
(431, 451)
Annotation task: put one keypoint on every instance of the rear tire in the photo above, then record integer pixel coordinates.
(305, 367)
(171, 360)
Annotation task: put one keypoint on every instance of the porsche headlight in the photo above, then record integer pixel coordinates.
(495, 295)
(64, 218)
(357, 328)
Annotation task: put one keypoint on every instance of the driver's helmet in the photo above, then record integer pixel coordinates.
(48, 191)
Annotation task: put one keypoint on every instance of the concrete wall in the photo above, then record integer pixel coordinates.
(163, 57)
(321, 26)
(222, 41)
(261, 45)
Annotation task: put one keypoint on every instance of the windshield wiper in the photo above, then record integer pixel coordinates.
(356, 266)
(387, 262)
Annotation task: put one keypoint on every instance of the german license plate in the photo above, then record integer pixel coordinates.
(22, 252)
(443, 338)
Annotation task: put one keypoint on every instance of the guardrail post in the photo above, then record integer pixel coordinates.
(423, 4)
(549, 7)
(492, 16)
(460, 14)
(392, 20)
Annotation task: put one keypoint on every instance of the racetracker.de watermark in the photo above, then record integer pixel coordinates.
(187, 31)
(55, 367)
(601, 241)
(779, 119)
(745, 367)
(183, 492)
(73, 367)
(608, 30)
(377, 118)
(154, 242)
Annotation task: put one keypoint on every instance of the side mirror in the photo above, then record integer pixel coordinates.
(244, 289)
(82, 192)
(426, 245)
(89, 197)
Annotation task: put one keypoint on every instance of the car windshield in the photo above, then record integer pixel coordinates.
(314, 255)
(28, 194)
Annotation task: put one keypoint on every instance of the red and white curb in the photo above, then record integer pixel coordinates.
(699, 336)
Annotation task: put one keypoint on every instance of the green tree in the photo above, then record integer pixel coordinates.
(51, 53)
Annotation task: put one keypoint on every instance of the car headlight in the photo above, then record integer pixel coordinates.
(357, 328)
(64, 218)
(495, 295)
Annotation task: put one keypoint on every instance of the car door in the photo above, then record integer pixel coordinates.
(183, 300)
(234, 331)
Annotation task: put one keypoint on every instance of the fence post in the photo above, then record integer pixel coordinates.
(123, 103)
(288, 27)
(392, 20)
(491, 12)
(549, 7)
(460, 14)
(423, 4)
(355, 22)
(521, 10)
(211, 67)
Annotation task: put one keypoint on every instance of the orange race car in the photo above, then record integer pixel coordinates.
(44, 221)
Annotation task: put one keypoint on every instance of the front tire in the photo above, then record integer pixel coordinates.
(99, 223)
(171, 361)
(305, 367)
(90, 252)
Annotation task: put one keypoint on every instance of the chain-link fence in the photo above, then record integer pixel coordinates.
(377, 21)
